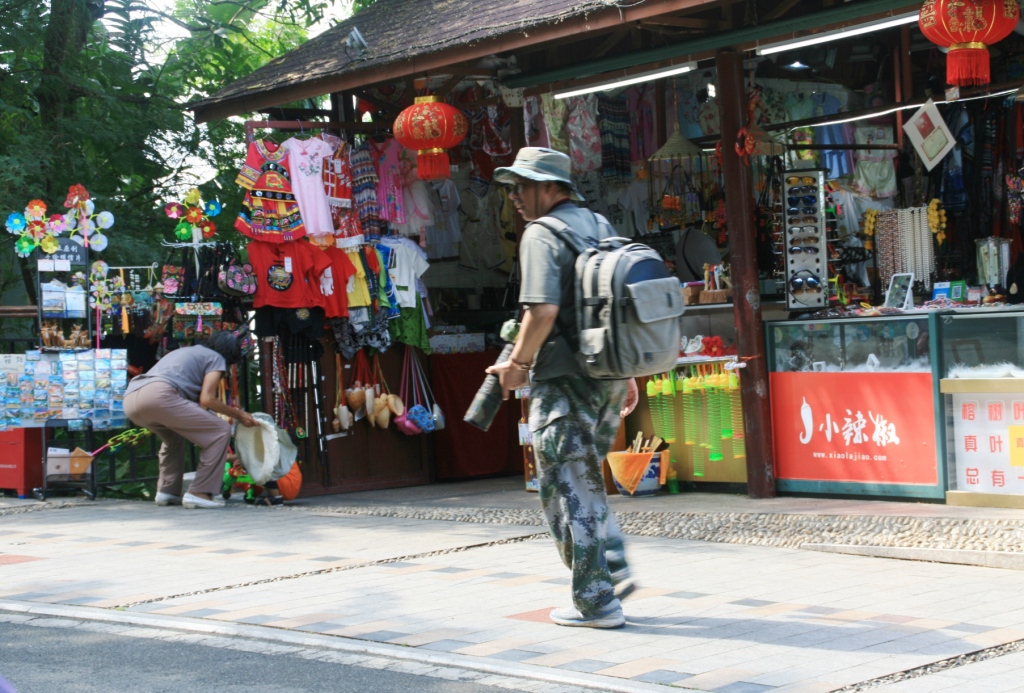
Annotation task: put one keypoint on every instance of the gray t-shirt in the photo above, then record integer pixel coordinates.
(549, 276)
(183, 368)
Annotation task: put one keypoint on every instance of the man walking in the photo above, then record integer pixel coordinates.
(573, 418)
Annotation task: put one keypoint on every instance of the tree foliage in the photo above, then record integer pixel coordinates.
(94, 92)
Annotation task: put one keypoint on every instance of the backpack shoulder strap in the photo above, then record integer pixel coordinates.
(564, 233)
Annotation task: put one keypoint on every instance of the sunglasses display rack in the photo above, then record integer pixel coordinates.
(806, 249)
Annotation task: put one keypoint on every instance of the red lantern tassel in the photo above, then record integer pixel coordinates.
(432, 164)
(968, 66)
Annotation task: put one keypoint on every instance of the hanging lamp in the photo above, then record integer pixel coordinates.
(430, 127)
(967, 28)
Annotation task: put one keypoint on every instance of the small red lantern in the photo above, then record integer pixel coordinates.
(430, 127)
(968, 28)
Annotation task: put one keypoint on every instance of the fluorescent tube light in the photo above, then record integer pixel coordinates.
(626, 81)
(858, 30)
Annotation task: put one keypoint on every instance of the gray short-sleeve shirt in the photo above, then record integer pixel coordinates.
(548, 276)
(184, 368)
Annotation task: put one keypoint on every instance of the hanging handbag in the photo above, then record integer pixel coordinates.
(402, 422)
(355, 394)
(382, 406)
(171, 277)
(429, 402)
(419, 413)
(236, 278)
(193, 320)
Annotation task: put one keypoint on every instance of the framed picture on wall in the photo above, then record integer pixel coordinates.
(929, 134)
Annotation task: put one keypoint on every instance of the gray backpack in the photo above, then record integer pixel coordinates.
(628, 305)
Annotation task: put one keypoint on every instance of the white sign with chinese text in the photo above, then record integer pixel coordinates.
(988, 431)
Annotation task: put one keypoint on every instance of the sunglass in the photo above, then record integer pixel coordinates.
(809, 249)
(805, 210)
(808, 283)
(803, 229)
(805, 180)
(806, 199)
(802, 190)
(802, 220)
(806, 240)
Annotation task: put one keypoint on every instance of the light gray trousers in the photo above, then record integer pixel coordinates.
(159, 407)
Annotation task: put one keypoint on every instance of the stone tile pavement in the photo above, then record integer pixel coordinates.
(709, 616)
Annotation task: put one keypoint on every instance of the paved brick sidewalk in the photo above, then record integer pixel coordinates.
(728, 618)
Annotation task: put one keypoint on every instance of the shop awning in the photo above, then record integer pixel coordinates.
(454, 31)
(406, 37)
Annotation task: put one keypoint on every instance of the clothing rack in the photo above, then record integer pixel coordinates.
(252, 125)
(131, 267)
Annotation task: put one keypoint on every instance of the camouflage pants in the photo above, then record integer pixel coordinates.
(573, 420)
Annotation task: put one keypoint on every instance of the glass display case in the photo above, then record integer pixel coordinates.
(981, 369)
(892, 344)
(854, 406)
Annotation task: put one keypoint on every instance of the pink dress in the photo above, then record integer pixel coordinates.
(305, 162)
(387, 157)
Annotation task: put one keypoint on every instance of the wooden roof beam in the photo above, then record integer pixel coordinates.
(687, 23)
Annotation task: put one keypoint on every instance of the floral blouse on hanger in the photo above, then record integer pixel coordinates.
(584, 136)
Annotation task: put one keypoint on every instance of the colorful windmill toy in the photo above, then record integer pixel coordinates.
(194, 225)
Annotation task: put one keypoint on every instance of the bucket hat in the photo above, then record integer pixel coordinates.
(540, 164)
(264, 450)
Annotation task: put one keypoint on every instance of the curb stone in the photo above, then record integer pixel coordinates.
(222, 634)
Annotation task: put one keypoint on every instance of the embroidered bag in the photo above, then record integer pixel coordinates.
(236, 279)
(171, 277)
(193, 320)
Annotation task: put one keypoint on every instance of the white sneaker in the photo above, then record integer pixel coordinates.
(167, 499)
(190, 501)
(610, 617)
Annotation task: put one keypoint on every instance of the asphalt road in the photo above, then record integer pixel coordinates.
(66, 660)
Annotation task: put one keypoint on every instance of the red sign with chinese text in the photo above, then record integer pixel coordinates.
(855, 427)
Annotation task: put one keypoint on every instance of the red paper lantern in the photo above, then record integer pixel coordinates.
(430, 127)
(968, 28)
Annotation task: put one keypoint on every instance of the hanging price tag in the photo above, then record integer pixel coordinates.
(525, 437)
(288, 265)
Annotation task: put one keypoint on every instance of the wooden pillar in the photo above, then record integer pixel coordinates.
(746, 294)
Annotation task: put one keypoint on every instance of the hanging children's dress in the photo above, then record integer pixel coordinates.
(387, 156)
(875, 172)
(364, 191)
(306, 162)
(269, 210)
(337, 180)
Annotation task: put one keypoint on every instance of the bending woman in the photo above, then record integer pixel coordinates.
(172, 400)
